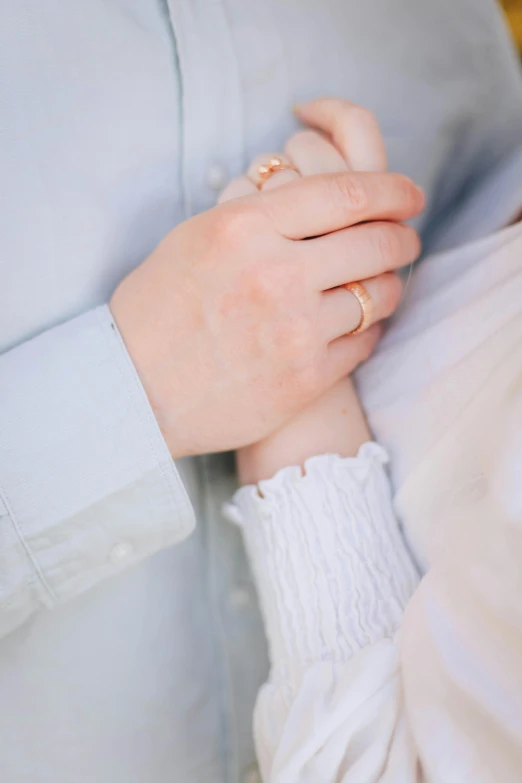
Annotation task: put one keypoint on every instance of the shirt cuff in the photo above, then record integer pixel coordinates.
(86, 480)
(330, 563)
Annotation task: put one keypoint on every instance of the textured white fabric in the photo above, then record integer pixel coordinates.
(334, 578)
(327, 539)
(442, 702)
(454, 344)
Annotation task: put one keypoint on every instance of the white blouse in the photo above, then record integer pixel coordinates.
(369, 683)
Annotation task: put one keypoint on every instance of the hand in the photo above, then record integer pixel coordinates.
(335, 423)
(231, 323)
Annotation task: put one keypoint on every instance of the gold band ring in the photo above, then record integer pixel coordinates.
(267, 170)
(366, 302)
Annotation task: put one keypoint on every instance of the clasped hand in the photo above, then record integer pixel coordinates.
(235, 323)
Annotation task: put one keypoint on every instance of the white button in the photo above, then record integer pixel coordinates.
(239, 598)
(216, 177)
(252, 775)
(121, 552)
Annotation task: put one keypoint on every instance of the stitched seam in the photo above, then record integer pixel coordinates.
(10, 602)
(32, 558)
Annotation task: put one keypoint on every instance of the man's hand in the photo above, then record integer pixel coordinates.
(231, 322)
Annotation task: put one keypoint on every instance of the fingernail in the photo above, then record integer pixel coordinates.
(296, 108)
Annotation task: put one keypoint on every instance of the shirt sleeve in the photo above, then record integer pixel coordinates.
(367, 684)
(87, 485)
(334, 577)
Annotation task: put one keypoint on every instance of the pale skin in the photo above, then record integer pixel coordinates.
(235, 324)
(347, 138)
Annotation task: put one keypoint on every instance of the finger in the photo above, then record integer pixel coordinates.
(316, 205)
(366, 250)
(280, 178)
(347, 352)
(262, 160)
(241, 186)
(312, 153)
(340, 311)
(353, 129)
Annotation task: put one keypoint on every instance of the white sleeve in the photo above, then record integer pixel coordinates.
(334, 577)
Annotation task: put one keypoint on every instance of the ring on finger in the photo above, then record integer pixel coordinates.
(274, 165)
(366, 302)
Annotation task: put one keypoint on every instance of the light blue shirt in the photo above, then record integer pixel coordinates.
(125, 659)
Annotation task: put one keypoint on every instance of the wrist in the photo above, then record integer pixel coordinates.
(146, 353)
(333, 424)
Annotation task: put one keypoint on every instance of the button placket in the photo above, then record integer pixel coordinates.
(212, 149)
(212, 110)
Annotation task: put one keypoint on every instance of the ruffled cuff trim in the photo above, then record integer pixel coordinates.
(331, 566)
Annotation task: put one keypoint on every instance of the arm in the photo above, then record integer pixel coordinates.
(92, 411)
(332, 570)
(334, 578)
(368, 684)
(87, 485)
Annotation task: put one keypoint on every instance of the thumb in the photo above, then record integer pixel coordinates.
(353, 129)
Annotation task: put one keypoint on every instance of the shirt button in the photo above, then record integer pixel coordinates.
(252, 775)
(216, 177)
(121, 552)
(239, 598)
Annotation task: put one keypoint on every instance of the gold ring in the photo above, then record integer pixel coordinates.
(366, 302)
(267, 170)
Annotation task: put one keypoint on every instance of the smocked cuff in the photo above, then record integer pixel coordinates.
(331, 566)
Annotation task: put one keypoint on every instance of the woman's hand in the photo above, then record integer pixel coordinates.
(348, 138)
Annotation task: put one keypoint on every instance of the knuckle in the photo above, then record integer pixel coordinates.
(350, 116)
(406, 191)
(366, 347)
(355, 113)
(278, 284)
(412, 241)
(234, 227)
(301, 141)
(387, 245)
(343, 110)
(349, 189)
